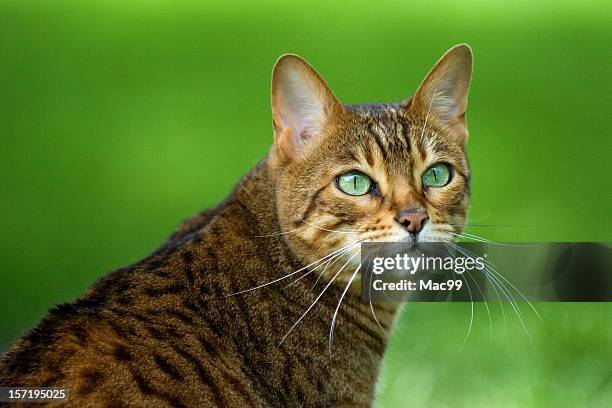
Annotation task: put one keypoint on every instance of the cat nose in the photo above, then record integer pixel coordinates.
(412, 219)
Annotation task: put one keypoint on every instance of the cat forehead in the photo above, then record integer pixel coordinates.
(392, 129)
(386, 135)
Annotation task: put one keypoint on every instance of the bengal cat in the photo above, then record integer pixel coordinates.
(235, 308)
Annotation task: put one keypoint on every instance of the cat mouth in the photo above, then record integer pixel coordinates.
(411, 241)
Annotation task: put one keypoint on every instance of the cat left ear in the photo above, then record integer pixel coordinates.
(302, 104)
(444, 91)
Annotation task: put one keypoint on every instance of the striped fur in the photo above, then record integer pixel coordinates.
(170, 330)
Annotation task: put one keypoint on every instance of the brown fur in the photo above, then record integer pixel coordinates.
(170, 330)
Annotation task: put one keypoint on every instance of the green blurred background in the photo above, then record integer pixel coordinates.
(118, 119)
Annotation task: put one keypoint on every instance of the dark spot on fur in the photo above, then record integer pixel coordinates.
(91, 302)
(191, 305)
(42, 335)
(188, 256)
(22, 362)
(154, 265)
(161, 274)
(91, 379)
(122, 287)
(169, 290)
(188, 274)
(52, 380)
(80, 334)
(125, 300)
(121, 353)
(156, 333)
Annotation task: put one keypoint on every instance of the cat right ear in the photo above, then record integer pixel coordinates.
(444, 92)
(302, 105)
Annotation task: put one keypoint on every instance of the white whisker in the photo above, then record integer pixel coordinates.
(277, 233)
(486, 307)
(493, 270)
(482, 294)
(429, 111)
(293, 273)
(502, 287)
(329, 230)
(333, 323)
(317, 299)
(469, 331)
(486, 241)
(484, 218)
(327, 264)
(372, 306)
(499, 299)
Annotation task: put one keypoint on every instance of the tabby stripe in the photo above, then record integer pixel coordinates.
(313, 377)
(244, 311)
(168, 367)
(250, 333)
(369, 156)
(371, 336)
(422, 148)
(406, 134)
(311, 206)
(399, 131)
(156, 333)
(202, 375)
(147, 389)
(214, 326)
(180, 316)
(251, 369)
(377, 139)
(120, 331)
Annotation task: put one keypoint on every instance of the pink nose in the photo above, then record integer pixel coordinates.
(412, 219)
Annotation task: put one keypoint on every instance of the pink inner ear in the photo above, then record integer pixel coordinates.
(444, 103)
(444, 90)
(299, 105)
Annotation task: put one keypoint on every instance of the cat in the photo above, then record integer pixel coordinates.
(235, 308)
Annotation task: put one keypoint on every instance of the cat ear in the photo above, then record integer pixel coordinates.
(444, 91)
(302, 104)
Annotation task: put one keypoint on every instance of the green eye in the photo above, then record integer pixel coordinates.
(354, 183)
(437, 175)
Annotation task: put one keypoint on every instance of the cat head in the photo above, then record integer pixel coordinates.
(374, 172)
